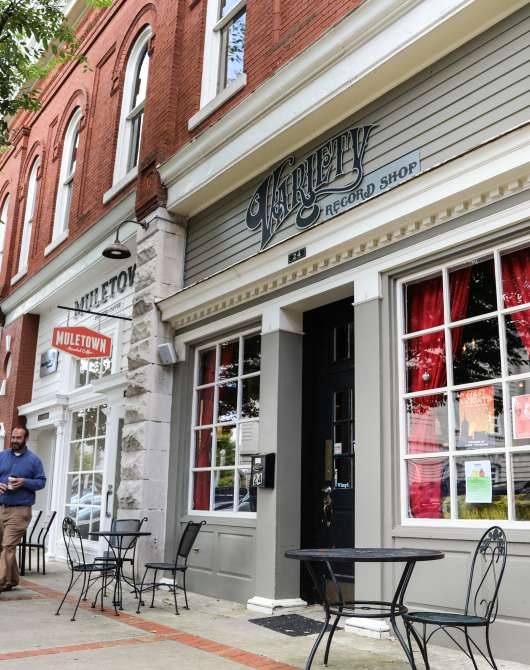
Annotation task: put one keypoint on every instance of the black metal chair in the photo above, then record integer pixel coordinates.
(40, 542)
(180, 564)
(482, 602)
(78, 566)
(128, 545)
(23, 544)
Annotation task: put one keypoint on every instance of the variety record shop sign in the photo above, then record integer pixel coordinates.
(327, 182)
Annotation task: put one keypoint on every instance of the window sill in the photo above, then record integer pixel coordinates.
(18, 276)
(122, 183)
(56, 242)
(218, 101)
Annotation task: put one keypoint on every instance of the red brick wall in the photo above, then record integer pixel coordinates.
(19, 384)
(277, 30)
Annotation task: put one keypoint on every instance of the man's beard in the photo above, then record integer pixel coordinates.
(17, 447)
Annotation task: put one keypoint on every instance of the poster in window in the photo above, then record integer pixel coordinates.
(478, 482)
(477, 417)
(521, 416)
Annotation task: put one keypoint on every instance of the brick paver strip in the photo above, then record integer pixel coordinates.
(159, 633)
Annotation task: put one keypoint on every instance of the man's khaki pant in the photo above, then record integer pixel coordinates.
(13, 524)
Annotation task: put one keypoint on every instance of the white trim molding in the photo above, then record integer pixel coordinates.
(352, 64)
(219, 100)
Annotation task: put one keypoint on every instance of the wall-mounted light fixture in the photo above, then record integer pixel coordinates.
(117, 250)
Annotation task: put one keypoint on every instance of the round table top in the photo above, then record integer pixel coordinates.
(120, 533)
(365, 554)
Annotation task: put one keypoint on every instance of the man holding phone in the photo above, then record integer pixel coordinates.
(21, 474)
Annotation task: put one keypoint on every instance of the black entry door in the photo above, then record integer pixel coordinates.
(328, 433)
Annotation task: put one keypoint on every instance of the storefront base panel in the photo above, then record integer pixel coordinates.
(221, 563)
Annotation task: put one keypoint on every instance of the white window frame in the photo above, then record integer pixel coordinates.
(212, 54)
(3, 225)
(121, 174)
(63, 199)
(27, 228)
(191, 470)
(505, 379)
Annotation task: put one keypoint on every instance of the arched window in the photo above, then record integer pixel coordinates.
(3, 224)
(132, 108)
(66, 178)
(29, 213)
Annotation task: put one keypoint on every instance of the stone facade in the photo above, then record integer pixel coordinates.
(146, 433)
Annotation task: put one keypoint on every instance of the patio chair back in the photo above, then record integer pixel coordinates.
(123, 525)
(73, 543)
(33, 524)
(45, 525)
(487, 570)
(187, 541)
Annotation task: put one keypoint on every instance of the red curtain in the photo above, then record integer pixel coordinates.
(426, 310)
(516, 289)
(203, 438)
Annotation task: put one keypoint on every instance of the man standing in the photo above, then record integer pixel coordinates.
(21, 474)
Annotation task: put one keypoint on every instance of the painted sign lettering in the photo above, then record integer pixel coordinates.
(81, 342)
(107, 290)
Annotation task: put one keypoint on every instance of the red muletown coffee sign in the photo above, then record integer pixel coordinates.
(81, 342)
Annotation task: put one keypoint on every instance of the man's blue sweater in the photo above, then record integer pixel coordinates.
(27, 465)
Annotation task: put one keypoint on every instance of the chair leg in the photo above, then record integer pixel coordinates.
(80, 595)
(492, 660)
(330, 637)
(154, 587)
(43, 560)
(140, 601)
(422, 644)
(184, 588)
(66, 593)
(175, 591)
(471, 656)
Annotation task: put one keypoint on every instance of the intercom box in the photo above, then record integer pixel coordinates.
(262, 471)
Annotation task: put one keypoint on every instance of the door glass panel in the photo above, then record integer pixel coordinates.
(87, 462)
(247, 493)
(206, 366)
(250, 400)
(100, 454)
(201, 490)
(229, 360)
(472, 290)
(342, 404)
(90, 422)
(251, 354)
(77, 425)
(203, 448)
(521, 483)
(205, 406)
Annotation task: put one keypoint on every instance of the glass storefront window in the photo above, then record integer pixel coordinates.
(226, 416)
(467, 444)
(85, 468)
(90, 369)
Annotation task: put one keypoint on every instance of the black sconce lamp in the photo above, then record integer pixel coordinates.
(117, 250)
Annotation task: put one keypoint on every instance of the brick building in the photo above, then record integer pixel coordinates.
(286, 160)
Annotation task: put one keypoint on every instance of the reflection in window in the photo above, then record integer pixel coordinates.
(225, 430)
(473, 290)
(84, 481)
(476, 351)
(232, 54)
(427, 423)
(91, 369)
(479, 417)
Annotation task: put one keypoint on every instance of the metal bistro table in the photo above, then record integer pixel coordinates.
(318, 563)
(118, 556)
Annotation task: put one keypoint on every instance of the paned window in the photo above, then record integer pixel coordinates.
(3, 224)
(132, 107)
(224, 55)
(225, 425)
(90, 369)
(465, 390)
(29, 213)
(66, 176)
(84, 482)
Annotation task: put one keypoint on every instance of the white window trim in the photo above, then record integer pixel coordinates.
(219, 100)
(57, 241)
(119, 185)
(213, 513)
(505, 379)
(211, 57)
(3, 226)
(27, 228)
(124, 129)
(60, 222)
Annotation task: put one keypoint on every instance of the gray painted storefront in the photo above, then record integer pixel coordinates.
(473, 95)
(467, 98)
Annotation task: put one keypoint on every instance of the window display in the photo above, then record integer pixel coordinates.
(466, 390)
(226, 408)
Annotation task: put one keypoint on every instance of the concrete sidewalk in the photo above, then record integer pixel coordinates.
(213, 634)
